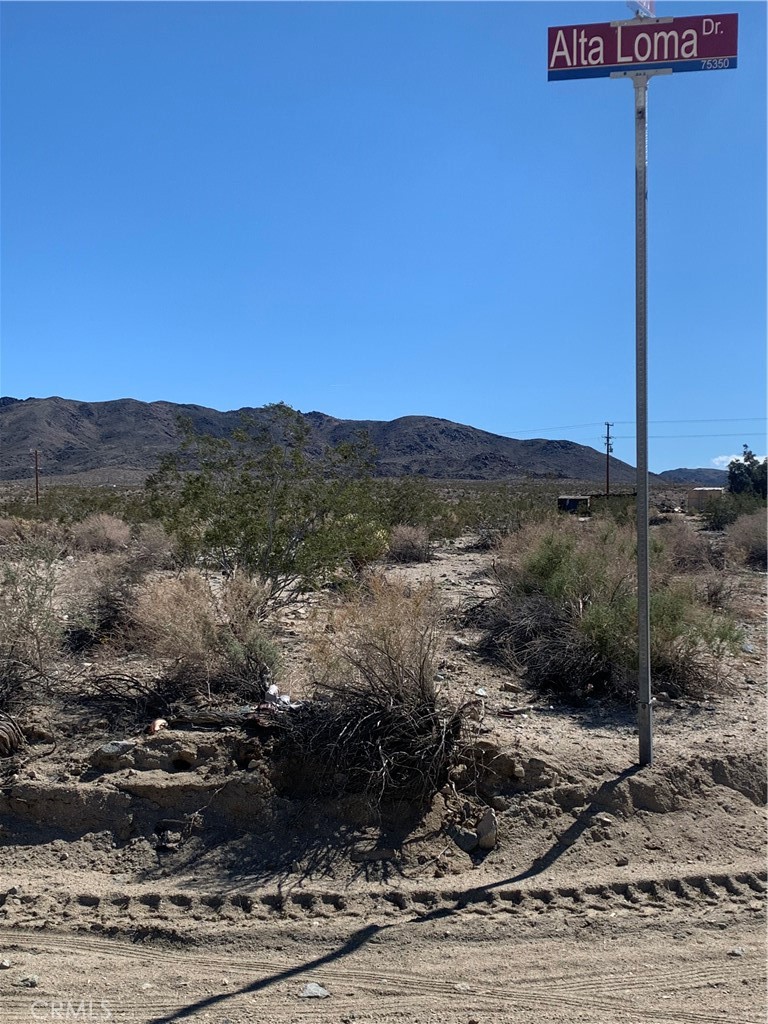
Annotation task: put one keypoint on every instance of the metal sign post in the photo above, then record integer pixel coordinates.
(639, 49)
(644, 698)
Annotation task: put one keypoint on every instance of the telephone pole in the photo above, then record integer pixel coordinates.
(608, 450)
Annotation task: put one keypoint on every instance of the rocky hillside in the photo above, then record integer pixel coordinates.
(696, 477)
(128, 437)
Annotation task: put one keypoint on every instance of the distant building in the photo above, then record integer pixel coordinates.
(576, 504)
(698, 498)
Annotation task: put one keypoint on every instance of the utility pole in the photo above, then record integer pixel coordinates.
(37, 477)
(608, 450)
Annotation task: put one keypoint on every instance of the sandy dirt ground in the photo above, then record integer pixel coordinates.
(615, 894)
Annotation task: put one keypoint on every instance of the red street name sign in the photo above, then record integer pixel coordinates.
(677, 44)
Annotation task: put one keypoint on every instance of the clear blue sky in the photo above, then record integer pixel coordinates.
(378, 209)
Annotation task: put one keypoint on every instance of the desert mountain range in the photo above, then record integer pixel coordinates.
(122, 441)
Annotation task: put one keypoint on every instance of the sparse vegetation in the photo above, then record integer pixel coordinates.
(493, 512)
(746, 540)
(207, 645)
(566, 613)
(379, 728)
(261, 503)
(71, 503)
(255, 524)
(400, 752)
(19, 533)
(153, 548)
(726, 509)
(94, 594)
(101, 532)
(409, 544)
(684, 548)
(30, 629)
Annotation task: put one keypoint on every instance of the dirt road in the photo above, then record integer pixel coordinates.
(673, 949)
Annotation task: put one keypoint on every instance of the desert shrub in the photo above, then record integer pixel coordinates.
(16, 531)
(30, 630)
(208, 645)
(153, 548)
(493, 512)
(175, 618)
(716, 590)
(687, 641)
(746, 540)
(101, 532)
(71, 503)
(365, 541)
(410, 501)
(566, 612)
(247, 648)
(413, 501)
(95, 593)
(386, 635)
(409, 544)
(263, 503)
(378, 727)
(685, 548)
(9, 532)
(621, 508)
(720, 512)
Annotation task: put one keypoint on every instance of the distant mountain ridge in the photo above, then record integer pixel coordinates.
(126, 437)
(696, 477)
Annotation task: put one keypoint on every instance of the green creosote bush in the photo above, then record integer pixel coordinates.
(621, 508)
(566, 612)
(261, 502)
(494, 511)
(365, 541)
(722, 512)
(416, 502)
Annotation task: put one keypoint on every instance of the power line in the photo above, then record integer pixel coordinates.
(673, 437)
(566, 426)
(723, 419)
(596, 423)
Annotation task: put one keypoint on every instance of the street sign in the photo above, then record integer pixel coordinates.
(672, 44)
(639, 50)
